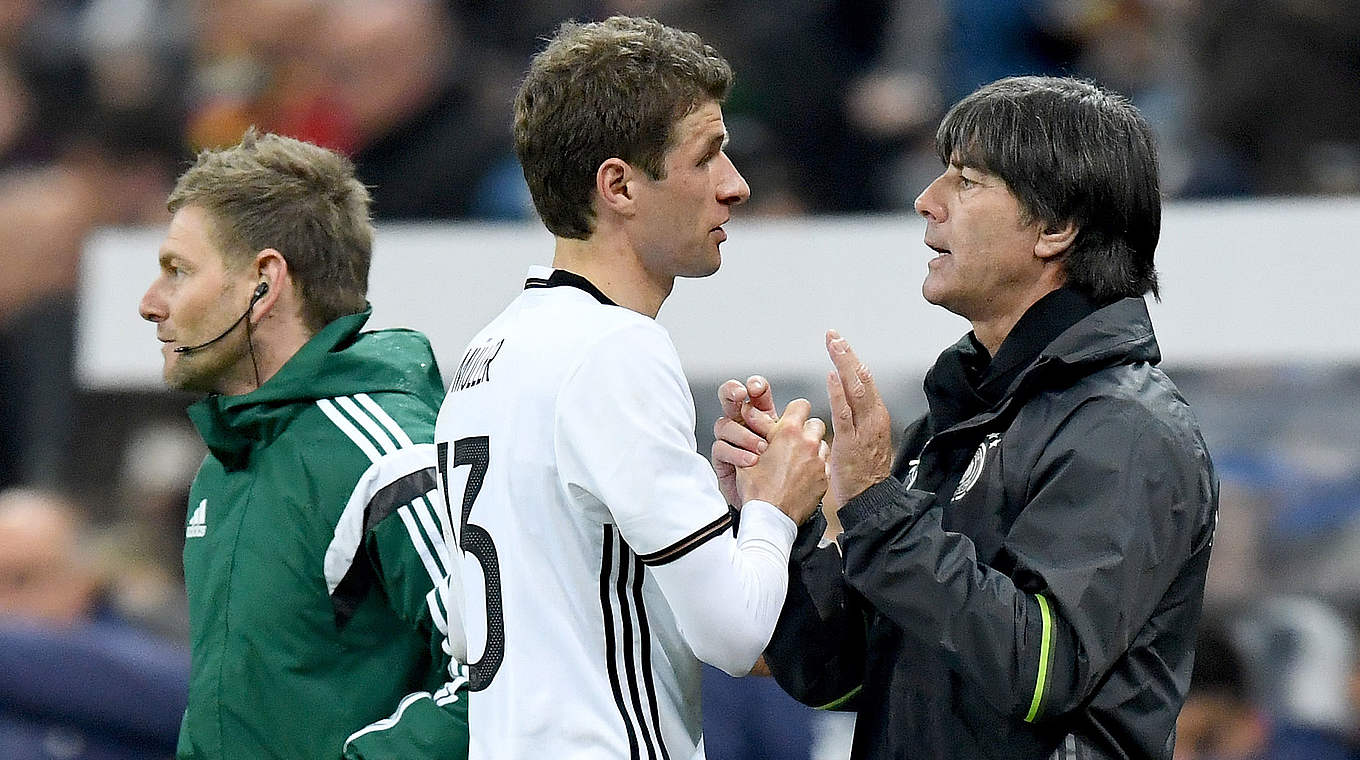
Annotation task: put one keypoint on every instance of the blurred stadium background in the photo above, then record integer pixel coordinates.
(1256, 104)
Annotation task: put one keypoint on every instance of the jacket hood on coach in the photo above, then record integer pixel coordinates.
(1120, 333)
(339, 360)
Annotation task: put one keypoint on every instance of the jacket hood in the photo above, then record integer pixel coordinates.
(1120, 333)
(339, 360)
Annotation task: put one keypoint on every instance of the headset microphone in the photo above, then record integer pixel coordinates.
(260, 291)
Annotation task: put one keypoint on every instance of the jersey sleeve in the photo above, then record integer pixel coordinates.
(390, 539)
(425, 725)
(625, 436)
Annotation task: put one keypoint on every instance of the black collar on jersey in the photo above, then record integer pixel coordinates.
(561, 277)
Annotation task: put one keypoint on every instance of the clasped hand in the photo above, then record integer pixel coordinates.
(790, 471)
(861, 448)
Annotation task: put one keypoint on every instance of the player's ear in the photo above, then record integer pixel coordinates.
(1055, 239)
(612, 186)
(271, 271)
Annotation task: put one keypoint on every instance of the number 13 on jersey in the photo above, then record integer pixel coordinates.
(473, 539)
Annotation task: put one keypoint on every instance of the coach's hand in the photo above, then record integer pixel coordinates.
(791, 472)
(861, 444)
(739, 435)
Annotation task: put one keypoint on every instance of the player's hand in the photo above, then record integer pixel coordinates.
(739, 435)
(792, 472)
(861, 447)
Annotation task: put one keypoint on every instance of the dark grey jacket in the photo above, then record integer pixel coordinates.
(1036, 594)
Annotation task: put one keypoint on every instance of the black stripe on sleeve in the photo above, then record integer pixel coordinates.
(611, 653)
(688, 543)
(362, 573)
(630, 663)
(646, 660)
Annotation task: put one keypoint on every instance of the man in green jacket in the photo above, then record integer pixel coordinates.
(313, 554)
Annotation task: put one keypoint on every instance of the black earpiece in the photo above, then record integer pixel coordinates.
(260, 290)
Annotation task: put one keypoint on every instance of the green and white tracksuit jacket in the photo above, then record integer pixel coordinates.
(313, 554)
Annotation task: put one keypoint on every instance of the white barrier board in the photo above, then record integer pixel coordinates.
(1242, 282)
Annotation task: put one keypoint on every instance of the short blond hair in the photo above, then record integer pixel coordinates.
(271, 191)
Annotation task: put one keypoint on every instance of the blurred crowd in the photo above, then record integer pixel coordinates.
(103, 102)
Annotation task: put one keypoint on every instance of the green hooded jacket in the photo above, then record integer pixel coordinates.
(313, 549)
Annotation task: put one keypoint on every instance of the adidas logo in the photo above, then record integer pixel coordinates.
(198, 521)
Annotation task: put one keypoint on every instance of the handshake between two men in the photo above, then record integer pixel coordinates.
(784, 459)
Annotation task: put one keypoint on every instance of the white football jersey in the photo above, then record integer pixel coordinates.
(567, 461)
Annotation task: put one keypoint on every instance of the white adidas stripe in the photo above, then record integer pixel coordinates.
(369, 424)
(434, 600)
(446, 529)
(369, 417)
(431, 566)
(341, 421)
(349, 528)
(392, 719)
(382, 416)
(381, 428)
(434, 531)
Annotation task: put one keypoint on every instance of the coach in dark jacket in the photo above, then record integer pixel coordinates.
(1026, 580)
